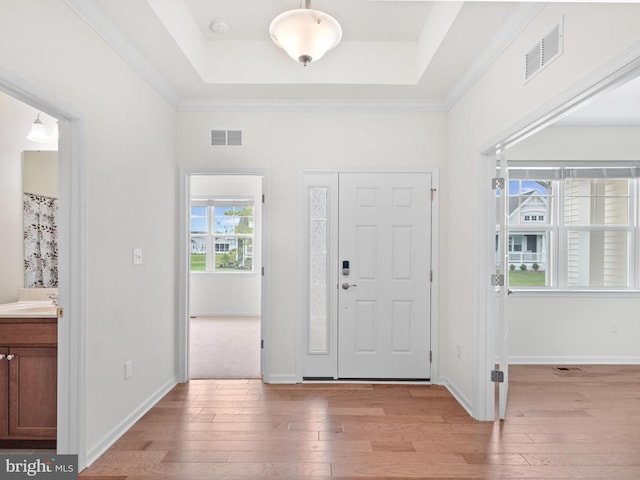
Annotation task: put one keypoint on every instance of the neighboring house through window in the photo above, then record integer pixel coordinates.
(573, 227)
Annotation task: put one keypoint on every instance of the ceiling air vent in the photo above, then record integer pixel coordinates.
(223, 138)
(544, 52)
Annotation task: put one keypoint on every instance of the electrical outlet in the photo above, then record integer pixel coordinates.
(128, 369)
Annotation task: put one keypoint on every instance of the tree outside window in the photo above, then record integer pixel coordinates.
(222, 234)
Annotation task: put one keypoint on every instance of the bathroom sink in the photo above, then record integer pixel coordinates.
(28, 309)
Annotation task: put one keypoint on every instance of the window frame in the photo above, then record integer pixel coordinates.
(210, 236)
(559, 230)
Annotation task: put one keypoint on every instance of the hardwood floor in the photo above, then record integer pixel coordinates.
(581, 424)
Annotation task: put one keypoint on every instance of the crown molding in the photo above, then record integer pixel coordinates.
(95, 17)
(498, 44)
(311, 105)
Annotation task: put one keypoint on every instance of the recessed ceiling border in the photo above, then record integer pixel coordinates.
(95, 17)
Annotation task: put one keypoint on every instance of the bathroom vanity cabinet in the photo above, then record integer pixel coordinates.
(28, 379)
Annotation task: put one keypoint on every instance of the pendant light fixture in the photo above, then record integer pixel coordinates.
(38, 133)
(305, 34)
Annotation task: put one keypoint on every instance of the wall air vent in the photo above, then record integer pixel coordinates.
(234, 137)
(545, 51)
(223, 138)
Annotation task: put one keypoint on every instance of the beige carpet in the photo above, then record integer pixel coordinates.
(224, 347)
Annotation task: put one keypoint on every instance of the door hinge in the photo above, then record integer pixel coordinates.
(497, 183)
(431, 276)
(430, 356)
(261, 343)
(262, 271)
(433, 192)
(497, 280)
(263, 198)
(497, 376)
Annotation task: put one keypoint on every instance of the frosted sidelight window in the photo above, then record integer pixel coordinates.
(318, 341)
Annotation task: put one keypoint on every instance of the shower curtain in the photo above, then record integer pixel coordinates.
(40, 241)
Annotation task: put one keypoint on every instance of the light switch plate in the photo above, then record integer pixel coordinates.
(128, 369)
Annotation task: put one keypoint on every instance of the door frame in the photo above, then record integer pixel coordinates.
(71, 393)
(303, 270)
(184, 196)
(487, 330)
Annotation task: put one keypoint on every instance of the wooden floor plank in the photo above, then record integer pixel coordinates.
(583, 423)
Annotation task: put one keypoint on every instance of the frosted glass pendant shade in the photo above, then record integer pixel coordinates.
(38, 133)
(305, 34)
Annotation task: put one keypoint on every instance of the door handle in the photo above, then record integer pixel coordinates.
(345, 286)
(10, 357)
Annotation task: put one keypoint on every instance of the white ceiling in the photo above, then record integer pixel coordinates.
(619, 106)
(391, 49)
(408, 54)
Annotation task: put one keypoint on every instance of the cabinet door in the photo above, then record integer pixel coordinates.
(4, 393)
(33, 380)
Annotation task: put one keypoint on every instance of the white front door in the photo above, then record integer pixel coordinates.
(384, 299)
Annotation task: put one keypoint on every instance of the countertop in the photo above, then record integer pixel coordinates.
(28, 309)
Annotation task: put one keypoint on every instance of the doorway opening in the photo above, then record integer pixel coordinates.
(503, 309)
(29, 186)
(225, 251)
(70, 333)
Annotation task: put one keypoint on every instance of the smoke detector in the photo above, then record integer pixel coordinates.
(219, 26)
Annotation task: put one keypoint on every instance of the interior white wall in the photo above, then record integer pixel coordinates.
(40, 173)
(288, 142)
(586, 143)
(130, 199)
(130, 177)
(579, 328)
(497, 102)
(16, 119)
(229, 293)
(566, 329)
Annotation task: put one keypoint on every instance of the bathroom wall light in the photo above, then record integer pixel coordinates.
(38, 133)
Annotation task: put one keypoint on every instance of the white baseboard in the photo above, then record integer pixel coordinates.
(223, 314)
(287, 379)
(628, 360)
(94, 452)
(457, 394)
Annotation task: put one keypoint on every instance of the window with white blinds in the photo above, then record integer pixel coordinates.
(573, 227)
